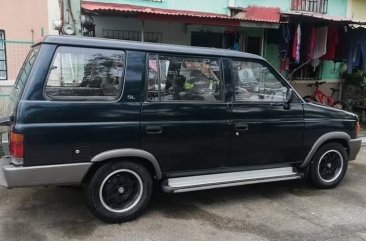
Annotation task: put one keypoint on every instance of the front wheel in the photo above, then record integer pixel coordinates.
(328, 166)
(341, 105)
(119, 191)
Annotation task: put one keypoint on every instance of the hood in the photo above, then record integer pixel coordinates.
(317, 110)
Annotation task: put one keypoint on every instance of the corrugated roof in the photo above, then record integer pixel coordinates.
(95, 6)
(252, 14)
(263, 14)
(324, 17)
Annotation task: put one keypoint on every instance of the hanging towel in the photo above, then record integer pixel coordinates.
(332, 42)
(357, 50)
(320, 48)
(311, 43)
(296, 45)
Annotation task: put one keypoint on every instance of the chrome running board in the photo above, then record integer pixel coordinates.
(194, 183)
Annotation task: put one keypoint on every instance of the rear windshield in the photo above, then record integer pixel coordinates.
(22, 78)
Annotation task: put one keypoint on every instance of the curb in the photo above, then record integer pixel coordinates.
(363, 141)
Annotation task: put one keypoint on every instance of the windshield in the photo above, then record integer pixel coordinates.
(22, 79)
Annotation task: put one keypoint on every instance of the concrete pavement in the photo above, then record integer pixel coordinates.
(278, 211)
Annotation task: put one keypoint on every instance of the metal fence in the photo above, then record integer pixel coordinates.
(13, 53)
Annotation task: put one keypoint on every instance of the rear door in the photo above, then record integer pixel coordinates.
(84, 112)
(184, 120)
(263, 131)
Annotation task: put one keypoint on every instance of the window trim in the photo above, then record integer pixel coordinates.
(275, 73)
(5, 56)
(222, 80)
(79, 100)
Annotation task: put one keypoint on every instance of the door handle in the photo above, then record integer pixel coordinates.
(153, 130)
(241, 127)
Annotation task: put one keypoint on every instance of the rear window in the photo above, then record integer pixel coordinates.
(22, 78)
(85, 74)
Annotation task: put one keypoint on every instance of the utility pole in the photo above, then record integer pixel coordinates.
(70, 22)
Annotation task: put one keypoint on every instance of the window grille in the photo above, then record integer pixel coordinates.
(154, 37)
(315, 6)
(3, 63)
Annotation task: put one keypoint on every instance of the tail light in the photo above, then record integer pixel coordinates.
(16, 145)
(357, 128)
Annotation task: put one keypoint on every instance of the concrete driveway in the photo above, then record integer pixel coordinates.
(276, 211)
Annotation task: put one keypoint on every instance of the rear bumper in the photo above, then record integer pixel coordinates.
(17, 176)
(354, 147)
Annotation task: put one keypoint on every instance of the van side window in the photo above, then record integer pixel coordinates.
(85, 74)
(152, 79)
(185, 79)
(255, 82)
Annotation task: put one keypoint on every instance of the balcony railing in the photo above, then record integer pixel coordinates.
(315, 6)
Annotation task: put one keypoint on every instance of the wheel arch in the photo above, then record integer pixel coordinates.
(137, 155)
(336, 136)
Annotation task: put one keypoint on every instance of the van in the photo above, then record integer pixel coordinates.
(119, 117)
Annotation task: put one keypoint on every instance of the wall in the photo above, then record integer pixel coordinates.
(284, 5)
(24, 22)
(53, 14)
(173, 33)
(335, 7)
(211, 6)
(358, 9)
(338, 8)
(19, 17)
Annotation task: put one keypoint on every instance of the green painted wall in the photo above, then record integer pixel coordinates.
(211, 6)
(272, 55)
(284, 5)
(331, 70)
(337, 7)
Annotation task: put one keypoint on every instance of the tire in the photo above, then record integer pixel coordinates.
(341, 105)
(328, 166)
(119, 191)
(309, 98)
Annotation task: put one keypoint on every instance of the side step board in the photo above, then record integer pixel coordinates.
(194, 183)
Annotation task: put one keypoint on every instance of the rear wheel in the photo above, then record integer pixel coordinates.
(119, 191)
(328, 166)
(341, 105)
(309, 98)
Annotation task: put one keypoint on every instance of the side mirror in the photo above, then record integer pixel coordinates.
(289, 98)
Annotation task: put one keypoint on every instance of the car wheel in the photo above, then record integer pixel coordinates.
(119, 191)
(328, 166)
(341, 105)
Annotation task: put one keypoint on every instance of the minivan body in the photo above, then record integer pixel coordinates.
(119, 116)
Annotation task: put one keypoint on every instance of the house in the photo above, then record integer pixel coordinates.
(244, 25)
(263, 27)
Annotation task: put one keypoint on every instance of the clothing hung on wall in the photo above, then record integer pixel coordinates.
(296, 46)
(284, 46)
(320, 48)
(357, 50)
(332, 42)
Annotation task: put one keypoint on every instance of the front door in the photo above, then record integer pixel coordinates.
(263, 131)
(184, 120)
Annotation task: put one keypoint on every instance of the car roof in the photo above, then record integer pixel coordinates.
(143, 46)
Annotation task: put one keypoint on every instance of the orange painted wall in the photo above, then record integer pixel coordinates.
(23, 21)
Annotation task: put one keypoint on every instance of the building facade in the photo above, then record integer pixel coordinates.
(254, 26)
(263, 27)
(22, 23)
